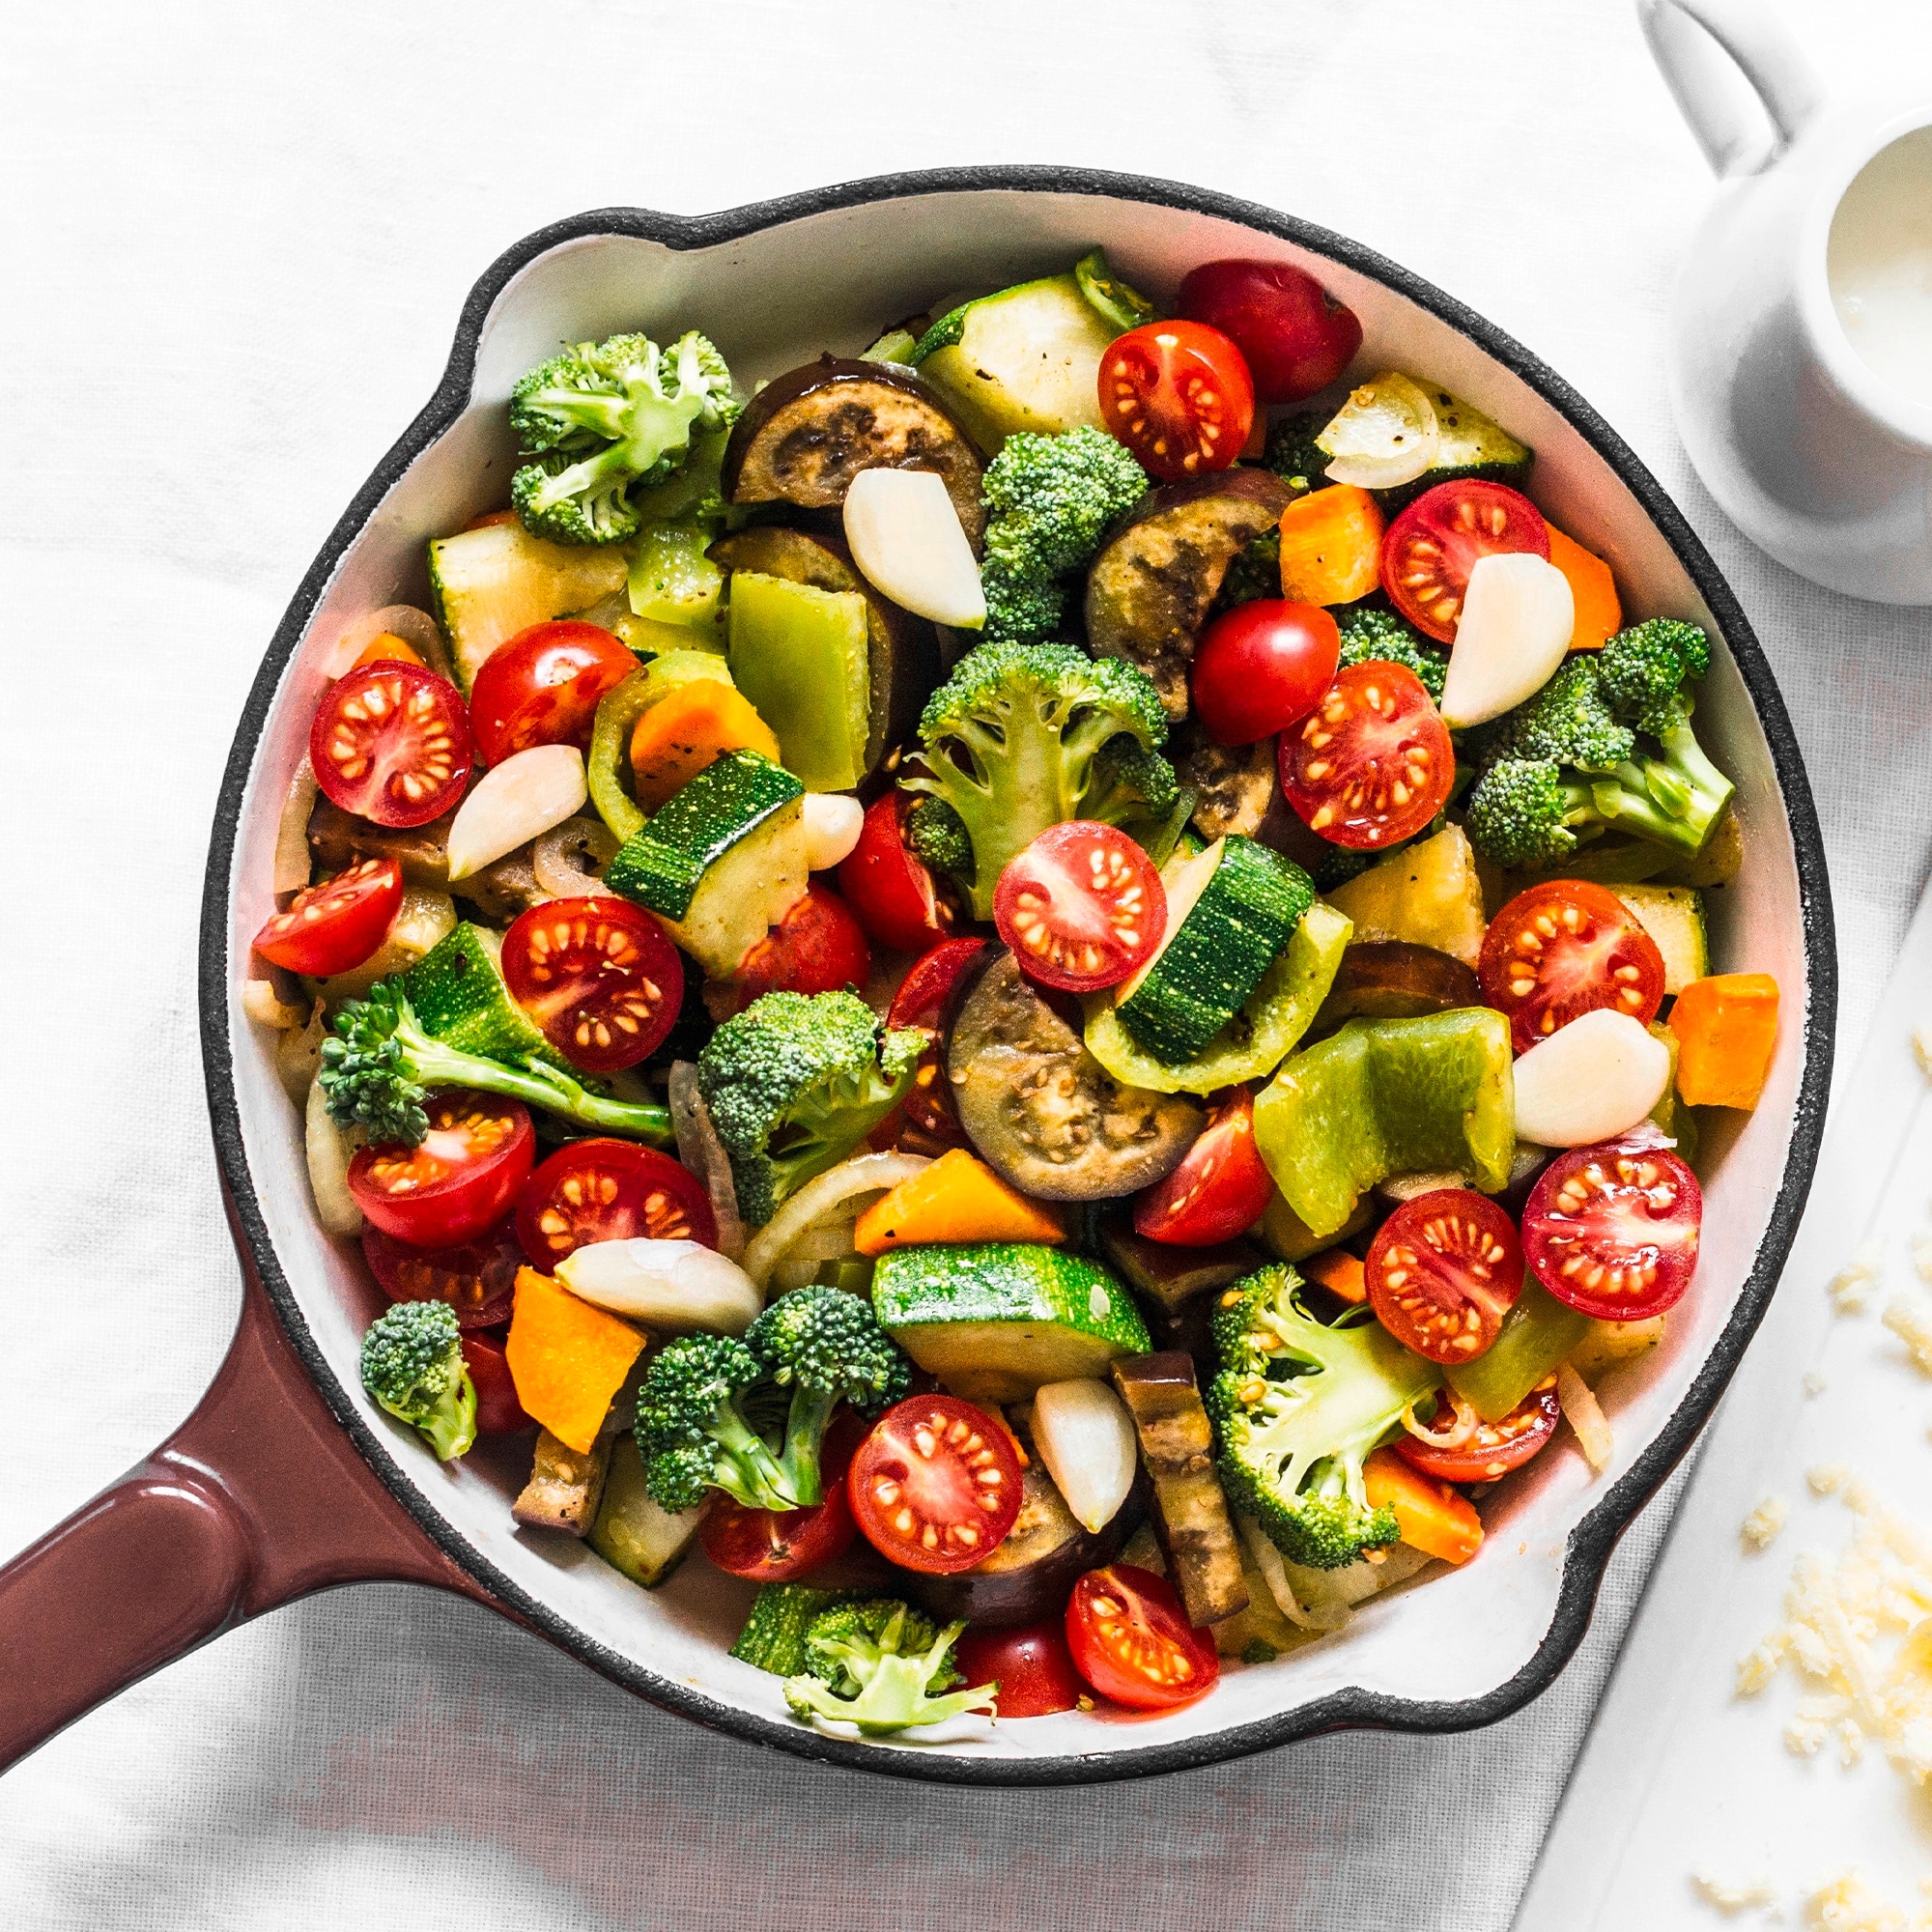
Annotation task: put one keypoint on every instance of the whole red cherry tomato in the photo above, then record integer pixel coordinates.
(543, 686)
(1296, 337)
(1179, 396)
(1030, 1664)
(1262, 667)
(499, 1411)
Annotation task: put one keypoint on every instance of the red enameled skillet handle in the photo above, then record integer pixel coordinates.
(257, 1498)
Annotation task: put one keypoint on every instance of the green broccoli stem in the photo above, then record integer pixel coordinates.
(805, 1437)
(745, 1469)
(1664, 800)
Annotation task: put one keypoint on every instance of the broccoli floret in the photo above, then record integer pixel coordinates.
(794, 1083)
(604, 420)
(1381, 635)
(1570, 720)
(693, 1432)
(378, 1072)
(879, 1666)
(824, 1346)
(1291, 451)
(1051, 500)
(1013, 743)
(1568, 763)
(412, 1364)
(938, 838)
(1296, 1408)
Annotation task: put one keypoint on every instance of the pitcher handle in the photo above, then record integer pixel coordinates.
(1690, 39)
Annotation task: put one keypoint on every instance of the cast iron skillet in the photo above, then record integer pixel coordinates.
(279, 1484)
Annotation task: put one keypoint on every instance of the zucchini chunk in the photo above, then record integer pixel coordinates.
(489, 584)
(1152, 587)
(1428, 894)
(459, 997)
(1190, 1514)
(632, 1533)
(807, 433)
(996, 1320)
(724, 860)
(1231, 912)
(1674, 916)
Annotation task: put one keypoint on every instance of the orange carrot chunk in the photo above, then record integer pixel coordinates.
(1726, 1026)
(1338, 1271)
(1598, 614)
(1331, 546)
(958, 1198)
(1430, 1516)
(567, 1358)
(386, 648)
(694, 727)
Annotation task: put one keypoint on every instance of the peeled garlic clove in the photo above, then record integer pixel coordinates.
(907, 542)
(513, 801)
(1518, 617)
(677, 1286)
(1590, 1081)
(1086, 1438)
(833, 823)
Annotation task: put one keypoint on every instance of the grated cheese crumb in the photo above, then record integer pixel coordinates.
(1755, 1893)
(1841, 1617)
(1848, 1904)
(1760, 1528)
(1852, 1286)
(1815, 1383)
(1910, 1318)
(1922, 1046)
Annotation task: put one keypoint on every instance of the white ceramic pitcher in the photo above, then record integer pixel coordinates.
(1819, 458)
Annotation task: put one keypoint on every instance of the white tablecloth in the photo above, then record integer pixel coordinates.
(236, 237)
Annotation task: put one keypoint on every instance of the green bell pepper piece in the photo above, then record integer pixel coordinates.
(1538, 1333)
(803, 656)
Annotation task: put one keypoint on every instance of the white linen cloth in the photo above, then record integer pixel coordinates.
(233, 242)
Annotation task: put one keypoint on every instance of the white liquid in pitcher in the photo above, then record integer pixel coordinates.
(1879, 263)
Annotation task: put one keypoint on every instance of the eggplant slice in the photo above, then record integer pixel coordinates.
(1391, 979)
(902, 650)
(1154, 584)
(805, 435)
(1042, 1112)
(1235, 784)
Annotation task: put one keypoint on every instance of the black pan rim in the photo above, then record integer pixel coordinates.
(1592, 1540)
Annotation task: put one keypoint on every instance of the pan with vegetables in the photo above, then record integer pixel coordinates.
(1046, 1006)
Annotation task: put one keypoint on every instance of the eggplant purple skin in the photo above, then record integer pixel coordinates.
(1153, 586)
(1033, 1571)
(807, 433)
(1392, 980)
(902, 650)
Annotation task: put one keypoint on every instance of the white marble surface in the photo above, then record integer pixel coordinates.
(235, 239)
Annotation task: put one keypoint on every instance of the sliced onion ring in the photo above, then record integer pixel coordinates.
(292, 864)
(862, 1174)
(703, 1153)
(1456, 1435)
(562, 857)
(416, 628)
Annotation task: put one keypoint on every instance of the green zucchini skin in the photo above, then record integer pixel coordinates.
(1209, 966)
(661, 866)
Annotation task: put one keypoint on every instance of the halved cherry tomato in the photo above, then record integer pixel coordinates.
(599, 975)
(926, 998)
(541, 687)
(1030, 1664)
(1430, 549)
(1372, 762)
(1612, 1230)
(1082, 907)
(1496, 1448)
(1563, 949)
(1296, 337)
(609, 1190)
(1262, 667)
(817, 947)
(338, 924)
(1131, 1640)
(460, 1179)
(1442, 1271)
(498, 1412)
(778, 1545)
(890, 892)
(1179, 395)
(936, 1486)
(391, 743)
(477, 1277)
(1219, 1190)
(782, 1545)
